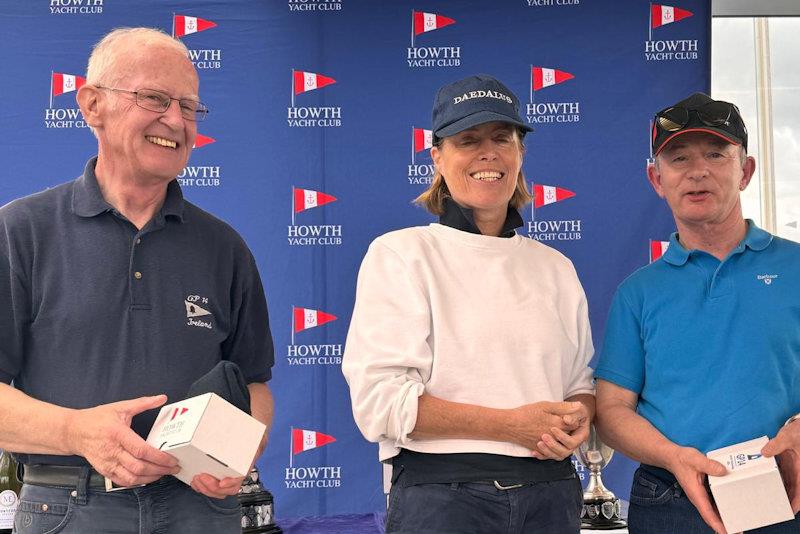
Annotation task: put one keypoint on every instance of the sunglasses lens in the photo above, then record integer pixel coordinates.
(715, 113)
(673, 119)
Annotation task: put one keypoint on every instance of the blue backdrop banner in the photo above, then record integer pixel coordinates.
(317, 141)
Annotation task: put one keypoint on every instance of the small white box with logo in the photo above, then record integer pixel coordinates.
(207, 434)
(752, 494)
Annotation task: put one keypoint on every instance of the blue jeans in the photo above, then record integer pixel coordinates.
(166, 506)
(659, 506)
(481, 508)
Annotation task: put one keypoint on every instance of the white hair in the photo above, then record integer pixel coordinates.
(118, 45)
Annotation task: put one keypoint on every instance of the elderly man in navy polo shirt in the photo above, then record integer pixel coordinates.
(702, 347)
(116, 294)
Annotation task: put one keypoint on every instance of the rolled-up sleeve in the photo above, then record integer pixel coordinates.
(580, 374)
(387, 358)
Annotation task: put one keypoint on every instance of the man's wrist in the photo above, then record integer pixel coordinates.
(69, 430)
(669, 457)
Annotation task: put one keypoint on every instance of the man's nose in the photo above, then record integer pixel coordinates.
(173, 116)
(698, 168)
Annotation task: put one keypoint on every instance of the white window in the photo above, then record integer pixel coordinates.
(753, 64)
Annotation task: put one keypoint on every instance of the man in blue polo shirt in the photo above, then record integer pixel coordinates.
(702, 347)
(115, 295)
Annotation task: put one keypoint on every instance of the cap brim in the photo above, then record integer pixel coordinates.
(713, 131)
(476, 119)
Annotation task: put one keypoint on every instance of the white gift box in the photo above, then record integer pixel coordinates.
(207, 434)
(752, 494)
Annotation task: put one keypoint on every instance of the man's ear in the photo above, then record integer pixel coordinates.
(88, 98)
(654, 177)
(748, 170)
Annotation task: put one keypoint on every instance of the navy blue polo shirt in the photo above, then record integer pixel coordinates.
(93, 310)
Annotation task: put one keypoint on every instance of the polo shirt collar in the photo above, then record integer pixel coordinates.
(461, 218)
(88, 201)
(173, 203)
(755, 239)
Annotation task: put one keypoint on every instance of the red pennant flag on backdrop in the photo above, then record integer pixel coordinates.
(542, 77)
(203, 140)
(657, 249)
(548, 194)
(661, 15)
(308, 81)
(305, 440)
(427, 22)
(305, 318)
(66, 83)
(422, 139)
(306, 199)
(184, 25)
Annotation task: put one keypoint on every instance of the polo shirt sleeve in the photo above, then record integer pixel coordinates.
(622, 357)
(14, 308)
(250, 343)
(387, 357)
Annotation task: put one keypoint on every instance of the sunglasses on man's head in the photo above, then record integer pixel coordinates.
(711, 114)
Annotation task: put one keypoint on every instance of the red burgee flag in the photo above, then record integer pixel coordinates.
(308, 81)
(66, 83)
(427, 22)
(305, 318)
(306, 199)
(305, 440)
(203, 140)
(187, 25)
(422, 139)
(542, 77)
(661, 14)
(549, 194)
(657, 249)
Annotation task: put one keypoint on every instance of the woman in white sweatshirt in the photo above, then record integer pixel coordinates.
(468, 350)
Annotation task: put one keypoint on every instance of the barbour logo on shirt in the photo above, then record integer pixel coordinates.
(766, 278)
(195, 310)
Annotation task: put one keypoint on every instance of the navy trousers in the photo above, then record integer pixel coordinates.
(481, 508)
(167, 506)
(659, 506)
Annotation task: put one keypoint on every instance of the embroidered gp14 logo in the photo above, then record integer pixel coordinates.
(196, 313)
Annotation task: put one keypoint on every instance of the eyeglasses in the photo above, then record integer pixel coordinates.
(711, 114)
(153, 100)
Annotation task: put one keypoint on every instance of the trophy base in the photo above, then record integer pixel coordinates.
(605, 526)
(602, 514)
(258, 508)
(263, 530)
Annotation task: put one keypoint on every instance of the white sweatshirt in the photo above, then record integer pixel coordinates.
(496, 322)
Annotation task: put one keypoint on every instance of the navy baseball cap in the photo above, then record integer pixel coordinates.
(699, 113)
(472, 101)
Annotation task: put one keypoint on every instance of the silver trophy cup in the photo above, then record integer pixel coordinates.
(601, 508)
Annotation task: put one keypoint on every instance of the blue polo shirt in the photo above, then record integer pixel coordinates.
(712, 348)
(93, 310)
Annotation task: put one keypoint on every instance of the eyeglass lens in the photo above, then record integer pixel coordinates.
(160, 102)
